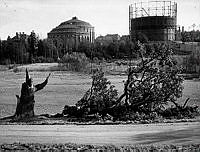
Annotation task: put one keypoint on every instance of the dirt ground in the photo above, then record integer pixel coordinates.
(141, 134)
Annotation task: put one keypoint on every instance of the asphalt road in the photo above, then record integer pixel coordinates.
(171, 133)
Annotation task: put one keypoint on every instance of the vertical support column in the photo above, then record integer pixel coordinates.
(135, 11)
(130, 17)
(90, 36)
(164, 9)
(156, 7)
(93, 35)
(170, 9)
(175, 17)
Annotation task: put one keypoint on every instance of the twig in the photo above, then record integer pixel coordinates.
(186, 102)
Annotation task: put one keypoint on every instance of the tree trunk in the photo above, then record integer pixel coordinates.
(25, 107)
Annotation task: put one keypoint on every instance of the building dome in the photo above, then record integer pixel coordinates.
(74, 23)
(69, 34)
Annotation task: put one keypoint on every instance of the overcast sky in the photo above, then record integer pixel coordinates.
(107, 16)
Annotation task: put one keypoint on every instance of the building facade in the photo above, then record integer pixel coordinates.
(69, 34)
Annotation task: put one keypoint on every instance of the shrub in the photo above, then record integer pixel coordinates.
(50, 60)
(6, 62)
(40, 59)
(74, 62)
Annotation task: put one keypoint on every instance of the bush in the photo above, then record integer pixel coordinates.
(50, 60)
(40, 59)
(6, 62)
(75, 62)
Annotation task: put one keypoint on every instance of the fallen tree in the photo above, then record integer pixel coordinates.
(101, 97)
(154, 82)
(151, 85)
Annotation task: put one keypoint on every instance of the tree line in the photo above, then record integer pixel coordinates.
(24, 49)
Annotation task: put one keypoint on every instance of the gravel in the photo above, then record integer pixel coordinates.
(94, 148)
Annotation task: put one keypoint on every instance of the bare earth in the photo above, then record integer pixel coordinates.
(156, 134)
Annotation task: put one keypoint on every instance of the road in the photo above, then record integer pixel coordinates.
(170, 133)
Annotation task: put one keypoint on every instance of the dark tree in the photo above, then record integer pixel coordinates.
(33, 46)
(41, 48)
(126, 48)
(112, 50)
(87, 48)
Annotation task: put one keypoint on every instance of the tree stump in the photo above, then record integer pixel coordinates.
(25, 103)
(25, 107)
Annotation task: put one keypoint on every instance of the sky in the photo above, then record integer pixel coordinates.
(107, 16)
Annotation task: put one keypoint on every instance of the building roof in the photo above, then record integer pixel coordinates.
(74, 23)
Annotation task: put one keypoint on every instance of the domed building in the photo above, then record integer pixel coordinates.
(69, 34)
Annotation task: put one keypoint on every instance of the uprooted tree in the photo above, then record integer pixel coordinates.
(151, 85)
(154, 82)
